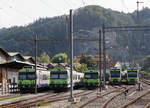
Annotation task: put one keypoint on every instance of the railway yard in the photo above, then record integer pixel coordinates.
(116, 96)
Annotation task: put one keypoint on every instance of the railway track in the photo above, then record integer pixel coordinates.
(26, 103)
(114, 89)
(138, 100)
(110, 100)
(145, 81)
(16, 104)
(58, 98)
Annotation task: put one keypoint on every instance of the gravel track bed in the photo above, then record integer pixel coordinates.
(24, 97)
(99, 102)
(84, 99)
(138, 93)
(141, 102)
(81, 100)
(121, 99)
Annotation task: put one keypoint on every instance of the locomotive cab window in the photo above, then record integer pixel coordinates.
(54, 75)
(22, 76)
(115, 73)
(132, 74)
(63, 75)
(30, 75)
(58, 75)
(91, 75)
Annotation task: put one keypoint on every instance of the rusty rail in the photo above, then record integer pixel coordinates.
(134, 100)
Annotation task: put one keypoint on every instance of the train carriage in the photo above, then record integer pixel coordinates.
(27, 78)
(115, 76)
(132, 76)
(91, 78)
(60, 78)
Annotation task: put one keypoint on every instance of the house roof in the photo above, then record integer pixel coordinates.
(13, 53)
(15, 64)
(3, 51)
(27, 57)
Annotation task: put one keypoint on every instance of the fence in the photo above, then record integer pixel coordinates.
(8, 88)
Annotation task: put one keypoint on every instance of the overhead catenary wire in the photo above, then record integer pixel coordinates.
(48, 6)
(83, 2)
(17, 10)
(124, 5)
(68, 3)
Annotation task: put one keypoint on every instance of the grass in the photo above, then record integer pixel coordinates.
(41, 104)
(5, 98)
(73, 102)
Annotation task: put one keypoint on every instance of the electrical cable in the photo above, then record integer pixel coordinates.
(50, 7)
(17, 10)
(68, 4)
(124, 5)
(83, 2)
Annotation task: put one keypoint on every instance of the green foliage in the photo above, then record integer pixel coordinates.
(86, 18)
(44, 58)
(88, 60)
(80, 67)
(147, 64)
(60, 58)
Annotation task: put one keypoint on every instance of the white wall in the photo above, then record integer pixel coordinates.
(12, 74)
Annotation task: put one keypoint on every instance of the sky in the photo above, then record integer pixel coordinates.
(23, 12)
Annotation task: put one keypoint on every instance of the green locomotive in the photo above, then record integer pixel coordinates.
(60, 78)
(115, 76)
(27, 78)
(91, 78)
(132, 76)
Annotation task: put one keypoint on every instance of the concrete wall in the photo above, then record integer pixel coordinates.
(12, 75)
(2, 58)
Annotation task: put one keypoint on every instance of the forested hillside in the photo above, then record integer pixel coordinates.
(89, 18)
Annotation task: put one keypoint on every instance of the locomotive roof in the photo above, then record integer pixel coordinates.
(131, 69)
(25, 69)
(114, 69)
(89, 71)
(59, 69)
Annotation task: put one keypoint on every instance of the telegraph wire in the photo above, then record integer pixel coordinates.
(83, 2)
(48, 6)
(124, 5)
(17, 10)
(68, 3)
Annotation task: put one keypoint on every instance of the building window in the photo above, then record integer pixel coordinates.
(14, 58)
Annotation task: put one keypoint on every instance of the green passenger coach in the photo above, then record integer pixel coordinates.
(60, 78)
(27, 78)
(115, 76)
(91, 78)
(132, 76)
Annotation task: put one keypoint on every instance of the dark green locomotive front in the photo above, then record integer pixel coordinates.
(91, 78)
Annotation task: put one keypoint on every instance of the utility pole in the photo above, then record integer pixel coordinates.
(71, 99)
(138, 18)
(100, 66)
(35, 64)
(104, 55)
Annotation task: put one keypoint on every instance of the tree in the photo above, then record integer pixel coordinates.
(60, 58)
(80, 67)
(88, 60)
(44, 58)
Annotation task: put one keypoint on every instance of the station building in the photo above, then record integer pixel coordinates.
(10, 63)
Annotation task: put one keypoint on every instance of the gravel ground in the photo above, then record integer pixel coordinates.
(119, 100)
(141, 102)
(81, 100)
(122, 99)
(21, 98)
